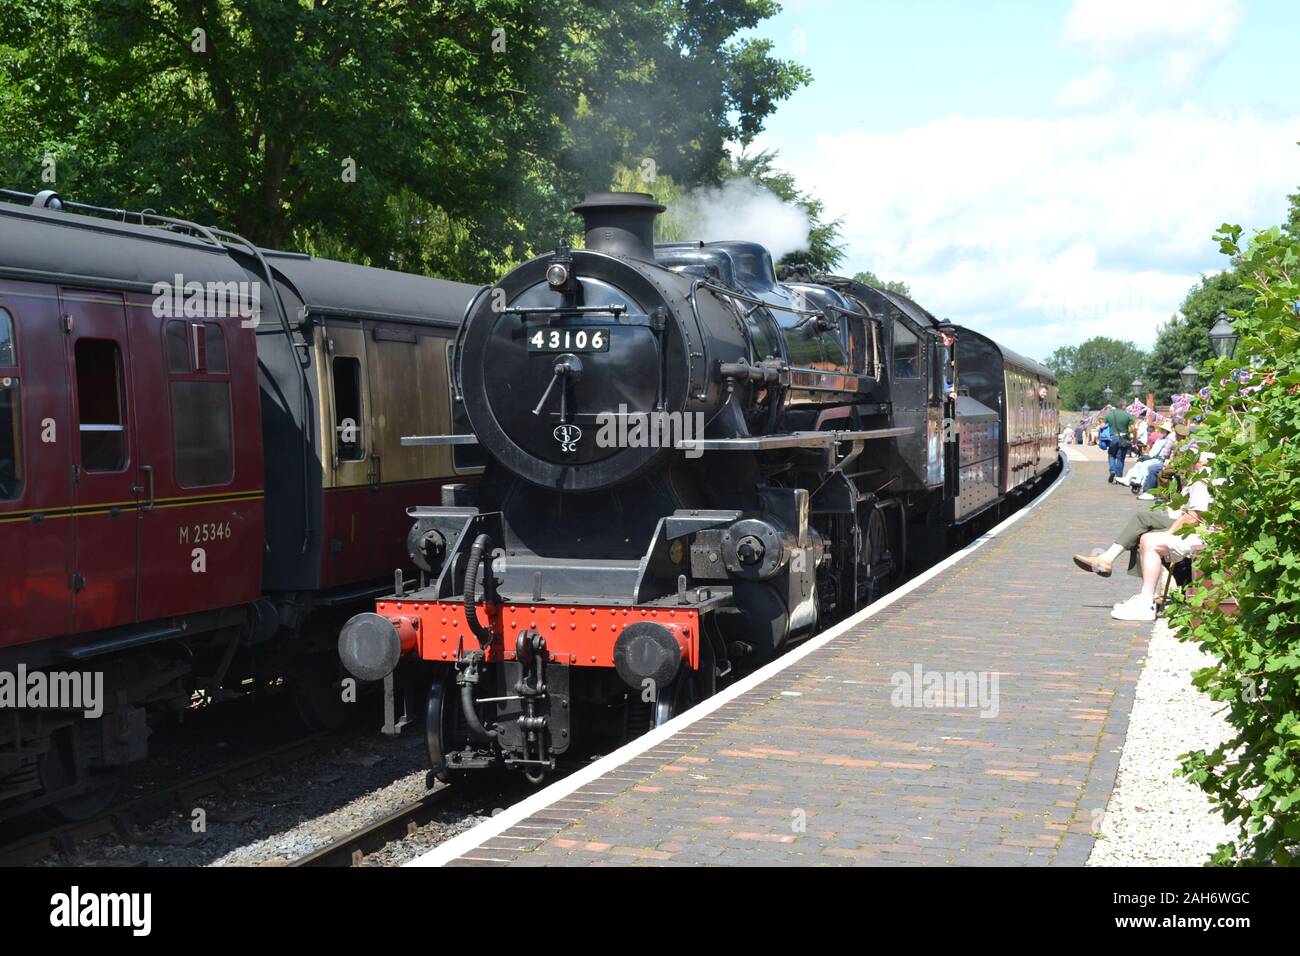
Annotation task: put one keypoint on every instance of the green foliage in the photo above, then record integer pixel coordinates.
(1252, 557)
(866, 277)
(1185, 336)
(472, 124)
(1086, 369)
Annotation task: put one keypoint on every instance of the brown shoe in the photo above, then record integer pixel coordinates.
(1090, 562)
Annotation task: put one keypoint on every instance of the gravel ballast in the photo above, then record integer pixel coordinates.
(1155, 818)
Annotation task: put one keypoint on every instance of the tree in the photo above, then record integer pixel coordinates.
(866, 277)
(448, 138)
(1168, 356)
(1086, 369)
(1186, 338)
(1245, 610)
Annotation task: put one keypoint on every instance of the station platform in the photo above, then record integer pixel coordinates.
(973, 717)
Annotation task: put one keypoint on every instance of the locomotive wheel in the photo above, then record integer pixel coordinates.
(875, 548)
(679, 696)
(440, 718)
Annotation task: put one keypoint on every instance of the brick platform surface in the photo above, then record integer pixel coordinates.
(827, 764)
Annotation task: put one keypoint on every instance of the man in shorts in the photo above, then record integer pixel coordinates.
(1158, 547)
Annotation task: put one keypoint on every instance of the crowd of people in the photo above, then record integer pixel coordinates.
(1154, 536)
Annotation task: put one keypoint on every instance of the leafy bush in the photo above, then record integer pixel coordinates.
(1252, 557)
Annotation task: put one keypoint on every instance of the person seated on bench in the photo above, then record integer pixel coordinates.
(1144, 521)
(1156, 469)
(1158, 547)
(1157, 453)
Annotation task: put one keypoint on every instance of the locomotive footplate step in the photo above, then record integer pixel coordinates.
(974, 717)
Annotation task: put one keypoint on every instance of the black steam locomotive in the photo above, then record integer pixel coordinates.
(690, 466)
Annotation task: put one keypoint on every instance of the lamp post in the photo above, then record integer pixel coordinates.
(1108, 392)
(1189, 375)
(1137, 389)
(1223, 337)
(1086, 409)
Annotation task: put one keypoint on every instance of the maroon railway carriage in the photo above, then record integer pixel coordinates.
(200, 472)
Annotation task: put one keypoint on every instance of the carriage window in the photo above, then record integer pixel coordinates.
(11, 449)
(8, 354)
(101, 405)
(203, 435)
(215, 350)
(178, 346)
(906, 352)
(347, 409)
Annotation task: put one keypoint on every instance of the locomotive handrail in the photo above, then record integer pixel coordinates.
(615, 309)
(457, 392)
(789, 440)
(409, 441)
(753, 300)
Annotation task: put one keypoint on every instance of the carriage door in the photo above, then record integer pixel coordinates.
(350, 499)
(105, 491)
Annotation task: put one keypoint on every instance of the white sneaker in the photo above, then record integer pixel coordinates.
(1146, 496)
(1139, 607)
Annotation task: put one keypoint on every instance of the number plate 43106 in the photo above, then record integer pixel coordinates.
(568, 340)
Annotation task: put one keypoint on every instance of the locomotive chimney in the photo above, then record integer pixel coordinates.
(620, 224)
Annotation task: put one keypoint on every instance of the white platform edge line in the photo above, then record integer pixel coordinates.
(476, 836)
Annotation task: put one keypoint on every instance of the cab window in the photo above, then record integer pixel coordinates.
(907, 348)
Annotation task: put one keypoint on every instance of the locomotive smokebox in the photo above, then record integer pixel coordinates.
(620, 224)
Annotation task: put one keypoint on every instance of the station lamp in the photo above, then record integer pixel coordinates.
(1223, 337)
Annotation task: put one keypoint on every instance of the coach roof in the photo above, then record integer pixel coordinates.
(52, 245)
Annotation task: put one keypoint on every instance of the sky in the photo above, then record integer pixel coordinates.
(1042, 170)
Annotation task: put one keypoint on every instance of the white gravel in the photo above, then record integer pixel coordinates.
(1155, 818)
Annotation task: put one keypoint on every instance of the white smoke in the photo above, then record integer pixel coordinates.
(739, 209)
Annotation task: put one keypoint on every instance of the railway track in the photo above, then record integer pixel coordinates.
(125, 819)
(352, 848)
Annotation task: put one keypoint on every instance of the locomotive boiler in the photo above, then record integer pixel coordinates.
(690, 466)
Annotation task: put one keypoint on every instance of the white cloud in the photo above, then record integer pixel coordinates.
(1043, 232)
(1187, 36)
(1090, 91)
